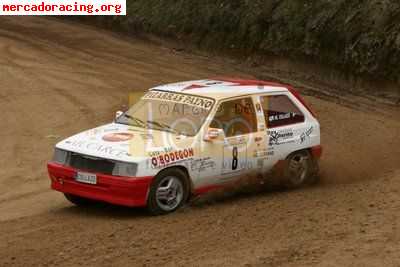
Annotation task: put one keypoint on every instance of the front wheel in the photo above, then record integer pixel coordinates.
(169, 191)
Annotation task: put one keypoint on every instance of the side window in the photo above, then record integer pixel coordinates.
(236, 117)
(279, 110)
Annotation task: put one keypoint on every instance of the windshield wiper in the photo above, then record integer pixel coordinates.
(137, 121)
(162, 126)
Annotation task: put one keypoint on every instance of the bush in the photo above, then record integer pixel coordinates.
(360, 37)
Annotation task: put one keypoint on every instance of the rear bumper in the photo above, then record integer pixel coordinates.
(126, 191)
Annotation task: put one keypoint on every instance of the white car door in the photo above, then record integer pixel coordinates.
(238, 121)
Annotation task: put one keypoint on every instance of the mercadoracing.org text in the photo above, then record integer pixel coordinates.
(62, 7)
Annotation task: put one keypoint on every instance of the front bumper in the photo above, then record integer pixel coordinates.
(126, 191)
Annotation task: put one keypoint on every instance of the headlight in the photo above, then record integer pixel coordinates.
(124, 169)
(60, 156)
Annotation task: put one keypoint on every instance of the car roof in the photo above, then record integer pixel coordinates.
(221, 88)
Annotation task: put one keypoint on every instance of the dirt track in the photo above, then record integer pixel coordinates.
(57, 79)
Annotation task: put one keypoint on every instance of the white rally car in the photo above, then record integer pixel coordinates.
(186, 139)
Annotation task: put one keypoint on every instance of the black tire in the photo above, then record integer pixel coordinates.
(77, 200)
(300, 169)
(156, 202)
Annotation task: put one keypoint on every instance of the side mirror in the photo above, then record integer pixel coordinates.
(118, 114)
(213, 134)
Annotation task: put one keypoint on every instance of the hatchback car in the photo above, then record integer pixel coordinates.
(186, 139)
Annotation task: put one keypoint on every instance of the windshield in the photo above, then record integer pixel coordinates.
(172, 112)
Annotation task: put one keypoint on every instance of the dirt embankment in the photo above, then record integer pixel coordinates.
(359, 38)
(59, 78)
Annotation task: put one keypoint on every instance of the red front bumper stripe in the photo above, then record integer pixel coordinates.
(126, 191)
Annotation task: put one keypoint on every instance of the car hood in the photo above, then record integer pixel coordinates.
(120, 142)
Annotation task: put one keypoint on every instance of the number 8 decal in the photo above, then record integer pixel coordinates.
(235, 160)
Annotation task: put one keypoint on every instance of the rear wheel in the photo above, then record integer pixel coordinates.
(77, 200)
(169, 191)
(300, 169)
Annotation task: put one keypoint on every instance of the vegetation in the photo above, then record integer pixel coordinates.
(359, 36)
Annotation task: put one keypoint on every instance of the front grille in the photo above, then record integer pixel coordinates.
(94, 164)
(90, 164)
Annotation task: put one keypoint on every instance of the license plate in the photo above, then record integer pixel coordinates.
(87, 178)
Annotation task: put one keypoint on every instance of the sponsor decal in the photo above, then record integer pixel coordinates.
(280, 137)
(172, 157)
(117, 137)
(202, 164)
(260, 153)
(284, 116)
(264, 153)
(233, 165)
(158, 151)
(306, 135)
(99, 148)
(191, 100)
(236, 141)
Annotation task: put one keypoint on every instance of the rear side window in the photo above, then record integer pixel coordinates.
(279, 110)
